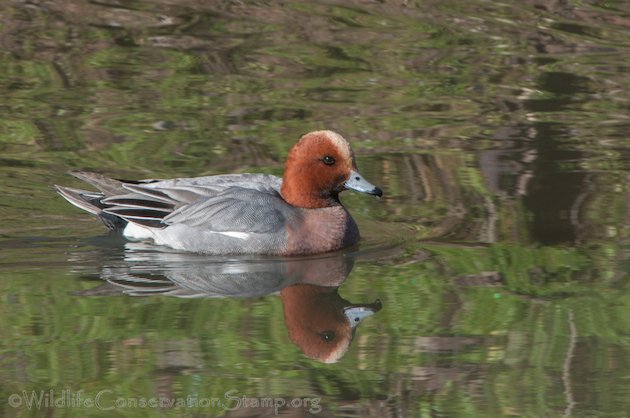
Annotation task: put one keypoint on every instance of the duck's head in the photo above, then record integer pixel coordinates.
(320, 322)
(320, 166)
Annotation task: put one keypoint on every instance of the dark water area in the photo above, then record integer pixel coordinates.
(491, 279)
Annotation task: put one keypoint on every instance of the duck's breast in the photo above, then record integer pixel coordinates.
(321, 230)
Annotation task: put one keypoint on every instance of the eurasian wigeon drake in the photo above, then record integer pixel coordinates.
(299, 214)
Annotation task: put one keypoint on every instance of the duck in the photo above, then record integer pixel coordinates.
(238, 214)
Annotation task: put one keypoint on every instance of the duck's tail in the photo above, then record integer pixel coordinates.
(92, 201)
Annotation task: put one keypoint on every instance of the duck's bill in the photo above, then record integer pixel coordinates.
(356, 313)
(358, 183)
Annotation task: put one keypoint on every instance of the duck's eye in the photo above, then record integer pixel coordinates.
(328, 160)
(327, 335)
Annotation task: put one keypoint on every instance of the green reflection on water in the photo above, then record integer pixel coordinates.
(498, 133)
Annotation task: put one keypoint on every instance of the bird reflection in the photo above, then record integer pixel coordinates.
(318, 320)
(321, 322)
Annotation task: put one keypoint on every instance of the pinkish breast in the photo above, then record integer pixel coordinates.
(322, 230)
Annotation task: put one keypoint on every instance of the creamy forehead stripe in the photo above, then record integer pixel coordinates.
(338, 352)
(339, 142)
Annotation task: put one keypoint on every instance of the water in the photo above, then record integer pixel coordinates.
(499, 253)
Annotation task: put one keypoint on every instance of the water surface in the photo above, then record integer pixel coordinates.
(498, 255)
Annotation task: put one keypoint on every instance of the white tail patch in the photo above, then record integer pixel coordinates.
(137, 232)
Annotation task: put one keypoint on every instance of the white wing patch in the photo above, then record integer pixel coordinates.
(234, 234)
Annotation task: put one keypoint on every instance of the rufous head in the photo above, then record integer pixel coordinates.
(321, 322)
(320, 166)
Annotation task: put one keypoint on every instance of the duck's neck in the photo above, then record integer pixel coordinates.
(301, 189)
